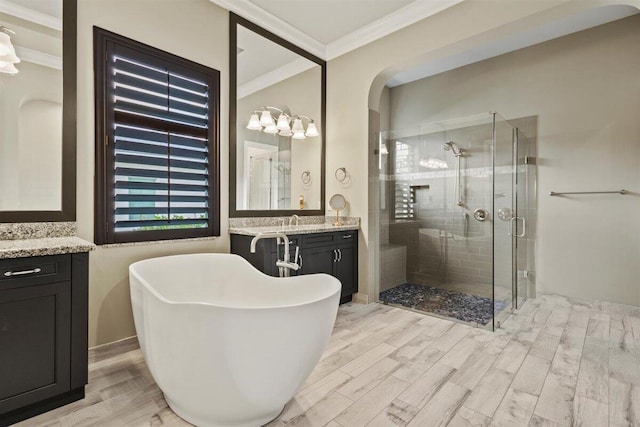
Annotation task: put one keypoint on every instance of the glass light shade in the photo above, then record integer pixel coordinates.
(271, 128)
(298, 135)
(5, 43)
(254, 123)
(283, 122)
(8, 69)
(312, 130)
(297, 127)
(266, 119)
(9, 58)
(286, 132)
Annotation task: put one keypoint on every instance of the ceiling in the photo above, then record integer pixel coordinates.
(47, 7)
(330, 28)
(312, 17)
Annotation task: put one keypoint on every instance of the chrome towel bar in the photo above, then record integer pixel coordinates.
(553, 193)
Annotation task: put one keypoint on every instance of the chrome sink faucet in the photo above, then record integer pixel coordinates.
(292, 217)
(285, 266)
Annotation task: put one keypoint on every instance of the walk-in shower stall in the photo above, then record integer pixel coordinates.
(455, 217)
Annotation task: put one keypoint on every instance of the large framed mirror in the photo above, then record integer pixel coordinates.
(38, 110)
(277, 125)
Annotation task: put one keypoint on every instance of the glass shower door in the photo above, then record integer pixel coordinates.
(504, 214)
(511, 173)
(521, 226)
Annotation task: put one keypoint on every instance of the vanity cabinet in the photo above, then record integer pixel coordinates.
(43, 334)
(334, 253)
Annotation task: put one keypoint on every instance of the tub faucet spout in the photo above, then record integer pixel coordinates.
(285, 266)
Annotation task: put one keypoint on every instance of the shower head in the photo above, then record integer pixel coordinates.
(451, 146)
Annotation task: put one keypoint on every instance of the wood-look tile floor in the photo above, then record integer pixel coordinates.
(556, 363)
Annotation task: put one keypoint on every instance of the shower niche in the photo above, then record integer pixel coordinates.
(457, 200)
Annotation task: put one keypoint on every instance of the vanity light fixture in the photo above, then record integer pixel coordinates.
(312, 131)
(263, 120)
(297, 129)
(272, 129)
(7, 53)
(254, 122)
(266, 119)
(283, 122)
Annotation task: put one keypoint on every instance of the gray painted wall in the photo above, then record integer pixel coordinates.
(584, 90)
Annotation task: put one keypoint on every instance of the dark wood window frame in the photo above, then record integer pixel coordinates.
(105, 182)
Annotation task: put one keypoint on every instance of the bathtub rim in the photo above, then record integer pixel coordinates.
(160, 297)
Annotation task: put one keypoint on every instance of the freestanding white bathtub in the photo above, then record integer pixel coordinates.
(227, 344)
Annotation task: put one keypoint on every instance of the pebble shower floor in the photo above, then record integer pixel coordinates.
(465, 307)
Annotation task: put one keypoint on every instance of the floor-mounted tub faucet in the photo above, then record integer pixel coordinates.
(284, 266)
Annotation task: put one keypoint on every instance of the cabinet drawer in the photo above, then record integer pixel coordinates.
(347, 237)
(19, 272)
(317, 240)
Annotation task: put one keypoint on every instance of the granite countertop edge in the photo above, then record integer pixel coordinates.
(43, 246)
(320, 228)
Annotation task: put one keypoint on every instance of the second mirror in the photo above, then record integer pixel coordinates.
(279, 130)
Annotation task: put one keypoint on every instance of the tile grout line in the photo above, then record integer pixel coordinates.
(550, 363)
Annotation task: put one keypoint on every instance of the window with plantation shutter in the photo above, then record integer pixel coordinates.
(157, 151)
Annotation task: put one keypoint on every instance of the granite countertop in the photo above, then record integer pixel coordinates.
(299, 229)
(43, 246)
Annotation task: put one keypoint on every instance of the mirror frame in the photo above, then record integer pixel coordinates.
(68, 193)
(234, 21)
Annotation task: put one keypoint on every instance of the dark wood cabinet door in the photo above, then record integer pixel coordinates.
(346, 269)
(318, 260)
(35, 333)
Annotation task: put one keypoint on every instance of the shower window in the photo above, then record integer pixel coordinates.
(403, 166)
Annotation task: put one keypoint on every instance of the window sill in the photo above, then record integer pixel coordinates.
(156, 242)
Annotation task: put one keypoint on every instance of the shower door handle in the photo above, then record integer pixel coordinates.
(514, 221)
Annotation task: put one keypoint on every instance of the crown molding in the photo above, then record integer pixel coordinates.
(270, 22)
(410, 14)
(284, 72)
(40, 58)
(31, 15)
